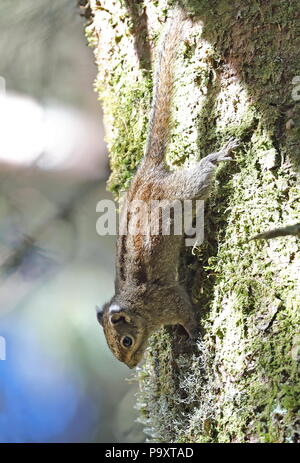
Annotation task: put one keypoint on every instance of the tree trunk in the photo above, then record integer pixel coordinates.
(237, 75)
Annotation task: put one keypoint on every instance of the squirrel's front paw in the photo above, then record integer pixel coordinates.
(224, 153)
(231, 145)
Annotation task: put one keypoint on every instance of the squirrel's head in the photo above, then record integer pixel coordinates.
(125, 335)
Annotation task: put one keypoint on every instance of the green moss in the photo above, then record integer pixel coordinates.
(253, 301)
(129, 110)
(242, 382)
(247, 291)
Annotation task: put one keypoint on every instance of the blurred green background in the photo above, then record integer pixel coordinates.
(59, 382)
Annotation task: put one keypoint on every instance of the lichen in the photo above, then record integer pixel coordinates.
(242, 382)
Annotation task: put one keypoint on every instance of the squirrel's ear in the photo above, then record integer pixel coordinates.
(117, 317)
(99, 312)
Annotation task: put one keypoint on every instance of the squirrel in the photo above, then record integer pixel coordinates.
(148, 294)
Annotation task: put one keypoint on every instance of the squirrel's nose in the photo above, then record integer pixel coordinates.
(132, 364)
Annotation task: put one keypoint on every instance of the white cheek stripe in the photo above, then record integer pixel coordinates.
(114, 308)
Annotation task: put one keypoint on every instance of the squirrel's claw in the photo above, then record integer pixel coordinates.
(224, 153)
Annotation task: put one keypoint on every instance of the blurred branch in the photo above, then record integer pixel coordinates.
(46, 31)
(27, 247)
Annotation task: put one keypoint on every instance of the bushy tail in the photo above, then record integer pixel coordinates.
(159, 125)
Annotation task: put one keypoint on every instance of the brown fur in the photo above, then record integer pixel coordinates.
(148, 294)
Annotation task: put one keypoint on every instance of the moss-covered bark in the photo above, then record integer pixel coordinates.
(236, 76)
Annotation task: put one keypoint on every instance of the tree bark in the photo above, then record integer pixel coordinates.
(237, 75)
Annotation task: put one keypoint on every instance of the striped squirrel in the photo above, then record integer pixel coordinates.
(148, 294)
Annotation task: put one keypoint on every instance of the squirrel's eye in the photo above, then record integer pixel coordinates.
(127, 341)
